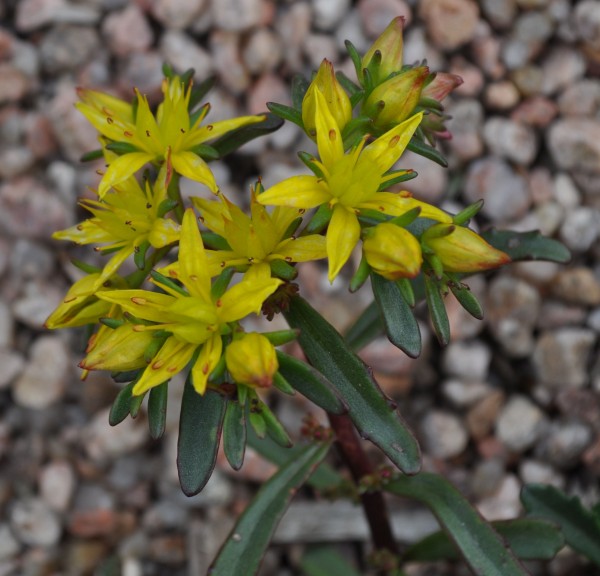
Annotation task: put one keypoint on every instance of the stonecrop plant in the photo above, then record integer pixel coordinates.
(203, 265)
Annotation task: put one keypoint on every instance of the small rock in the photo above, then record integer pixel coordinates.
(505, 192)
(57, 484)
(268, 88)
(34, 523)
(262, 52)
(37, 303)
(327, 14)
(565, 191)
(7, 327)
(472, 77)
(237, 15)
(12, 365)
(183, 53)
(432, 182)
(226, 59)
(581, 98)
(562, 68)
(65, 47)
(294, 24)
(556, 314)
(593, 320)
(560, 357)
(13, 83)
(377, 14)
(587, 23)
(165, 515)
(467, 360)
(520, 424)
(499, 14)
(464, 393)
(127, 31)
(528, 79)
(536, 111)
(46, 375)
(502, 95)
(580, 404)
(465, 125)
(319, 46)
(591, 457)
(581, 228)
(486, 54)
(177, 14)
(9, 545)
(418, 46)
(536, 472)
(450, 23)
(444, 435)
(564, 443)
(505, 504)
(32, 14)
(574, 144)
(144, 71)
(511, 140)
(577, 285)
(39, 136)
(482, 416)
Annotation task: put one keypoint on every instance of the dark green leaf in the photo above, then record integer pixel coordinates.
(121, 148)
(166, 281)
(157, 409)
(243, 550)
(427, 151)
(398, 319)
(356, 59)
(480, 546)
(236, 138)
(403, 176)
(579, 526)
(199, 91)
(258, 424)
(92, 155)
(234, 434)
(347, 84)
(274, 427)
(371, 411)
(120, 407)
(220, 284)
(367, 327)
(467, 300)
(361, 275)
(529, 539)
(326, 561)
(319, 220)
(135, 403)
(282, 269)
(286, 113)
(139, 255)
(527, 245)
(214, 241)
(200, 425)
(299, 87)
(280, 337)
(283, 385)
(437, 310)
(205, 152)
(463, 217)
(310, 383)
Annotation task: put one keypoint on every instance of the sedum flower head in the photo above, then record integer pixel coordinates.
(189, 321)
(171, 137)
(251, 360)
(392, 251)
(123, 220)
(257, 239)
(349, 183)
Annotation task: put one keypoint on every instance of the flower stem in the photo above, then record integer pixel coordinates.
(360, 466)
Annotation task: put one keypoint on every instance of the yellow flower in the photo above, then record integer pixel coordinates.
(349, 183)
(392, 251)
(336, 98)
(127, 217)
(251, 360)
(257, 239)
(462, 250)
(190, 323)
(172, 137)
(390, 45)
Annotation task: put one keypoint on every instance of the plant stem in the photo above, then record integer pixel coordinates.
(358, 462)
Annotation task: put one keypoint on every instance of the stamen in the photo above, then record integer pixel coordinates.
(127, 134)
(158, 364)
(394, 141)
(332, 135)
(109, 120)
(139, 300)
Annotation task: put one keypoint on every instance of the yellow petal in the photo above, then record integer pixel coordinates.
(207, 360)
(396, 204)
(103, 122)
(163, 232)
(193, 167)
(246, 297)
(342, 235)
(212, 212)
(302, 249)
(329, 136)
(122, 168)
(216, 129)
(141, 303)
(297, 191)
(193, 266)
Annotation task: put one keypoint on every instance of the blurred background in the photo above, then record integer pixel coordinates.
(513, 399)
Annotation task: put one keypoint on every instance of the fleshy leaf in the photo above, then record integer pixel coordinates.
(372, 412)
(527, 245)
(243, 550)
(120, 406)
(157, 410)
(236, 138)
(326, 561)
(366, 328)
(481, 547)
(422, 149)
(199, 434)
(437, 311)
(234, 434)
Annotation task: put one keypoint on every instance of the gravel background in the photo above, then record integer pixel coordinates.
(514, 399)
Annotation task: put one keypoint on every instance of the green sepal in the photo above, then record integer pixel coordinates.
(282, 269)
(398, 319)
(157, 410)
(293, 227)
(187, 76)
(200, 426)
(407, 218)
(286, 113)
(427, 151)
(199, 112)
(199, 91)
(120, 148)
(112, 322)
(356, 59)
(434, 262)
(348, 85)
(283, 385)
(438, 231)
(275, 429)
(219, 370)
(355, 130)
(155, 345)
(167, 70)
(135, 104)
(92, 155)
(234, 434)
(360, 276)
(205, 152)
(406, 289)
(372, 217)
(280, 337)
(126, 376)
(310, 383)
(120, 406)
(220, 284)
(463, 217)
(258, 423)
(437, 310)
(310, 162)
(85, 267)
(299, 87)
(139, 254)
(162, 279)
(214, 241)
(166, 206)
(135, 404)
(466, 299)
(405, 176)
(431, 104)
(319, 220)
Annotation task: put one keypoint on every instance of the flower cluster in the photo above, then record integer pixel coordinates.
(187, 315)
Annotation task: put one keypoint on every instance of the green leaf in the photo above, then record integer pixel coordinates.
(157, 410)
(205, 152)
(233, 140)
(310, 383)
(135, 403)
(398, 319)
(139, 255)
(299, 87)
(121, 148)
(326, 561)
(274, 427)
(286, 113)
(347, 84)
(361, 275)
(234, 434)
(243, 550)
(319, 220)
(480, 546)
(467, 299)
(367, 327)
(427, 151)
(92, 155)
(200, 425)
(527, 245)
(529, 539)
(120, 406)
(579, 526)
(199, 91)
(371, 411)
(403, 176)
(437, 310)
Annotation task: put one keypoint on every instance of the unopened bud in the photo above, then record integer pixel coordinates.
(251, 360)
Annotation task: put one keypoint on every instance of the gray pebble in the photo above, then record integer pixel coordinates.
(177, 13)
(127, 31)
(443, 434)
(561, 68)
(183, 53)
(464, 393)
(327, 14)
(9, 545)
(577, 285)
(587, 22)
(500, 14)
(511, 140)
(12, 364)
(581, 98)
(263, 50)
(236, 15)
(581, 228)
(537, 472)
(467, 360)
(565, 191)
(519, 424)
(66, 47)
(593, 320)
(564, 443)
(57, 484)
(34, 523)
(466, 125)
(574, 144)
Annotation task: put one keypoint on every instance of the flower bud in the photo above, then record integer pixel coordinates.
(463, 250)
(393, 252)
(390, 46)
(251, 360)
(394, 100)
(337, 100)
(441, 86)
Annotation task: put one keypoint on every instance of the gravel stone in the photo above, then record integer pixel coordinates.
(560, 357)
(565, 191)
(587, 23)
(34, 524)
(467, 360)
(536, 111)
(511, 140)
(226, 59)
(237, 15)
(7, 326)
(580, 229)
(12, 364)
(537, 472)
(520, 424)
(127, 31)
(466, 127)
(177, 14)
(327, 14)
(183, 53)
(9, 545)
(464, 393)
(564, 443)
(502, 95)
(499, 14)
(581, 98)
(505, 503)
(562, 68)
(262, 52)
(450, 23)
(574, 144)
(577, 285)
(14, 84)
(65, 48)
(444, 435)
(57, 485)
